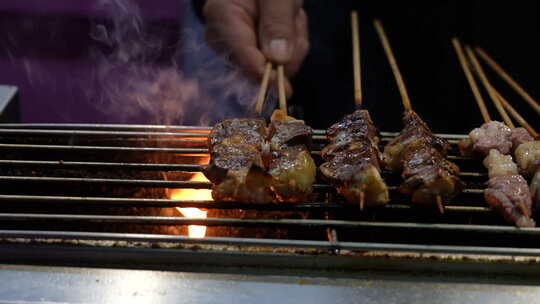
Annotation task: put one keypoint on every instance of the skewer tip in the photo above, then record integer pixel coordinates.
(362, 198)
(440, 204)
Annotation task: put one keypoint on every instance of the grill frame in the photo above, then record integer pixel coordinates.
(333, 248)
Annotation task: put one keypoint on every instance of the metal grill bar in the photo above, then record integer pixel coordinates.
(102, 127)
(138, 166)
(353, 246)
(126, 182)
(72, 133)
(163, 127)
(132, 149)
(102, 148)
(153, 183)
(98, 133)
(102, 165)
(304, 223)
(167, 203)
(113, 127)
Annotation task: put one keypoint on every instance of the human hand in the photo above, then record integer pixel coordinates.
(256, 31)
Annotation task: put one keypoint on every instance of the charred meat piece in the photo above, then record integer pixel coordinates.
(528, 157)
(354, 127)
(426, 174)
(238, 131)
(422, 158)
(289, 133)
(353, 160)
(237, 158)
(293, 173)
(414, 132)
(252, 163)
(491, 135)
(246, 186)
(509, 194)
(355, 173)
(236, 166)
(292, 168)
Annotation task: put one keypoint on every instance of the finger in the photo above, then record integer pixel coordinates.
(277, 29)
(231, 30)
(302, 45)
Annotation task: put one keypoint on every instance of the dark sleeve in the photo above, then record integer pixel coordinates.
(198, 8)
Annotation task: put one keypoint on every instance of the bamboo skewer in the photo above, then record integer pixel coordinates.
(502, 73)
(281, 89)
(357, 79)
(393, 64)
(517, 117)
(489, 88)
(264, 87)
(440, 204)
(470, 79)
(356, 59)
(362, 199)
(401, 84)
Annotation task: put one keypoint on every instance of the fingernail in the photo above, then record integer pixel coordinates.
(278, 48)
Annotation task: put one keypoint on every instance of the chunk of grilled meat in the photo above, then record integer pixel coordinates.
(491, 135)
(528, 157)
(238, 158)
(510, 195)
(352, 160)
(520, 136)
(292, 168)
(356, 171)
(236, 166)
(293, 173)
(499, 164)
(427, 174)
(415, 130)
(238, 131)
(422, 158)
(357, 126)
(289, 133)
(508, 191)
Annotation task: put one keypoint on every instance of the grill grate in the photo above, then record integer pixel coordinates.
(53, 179)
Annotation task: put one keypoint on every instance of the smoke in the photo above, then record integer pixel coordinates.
(148, 73)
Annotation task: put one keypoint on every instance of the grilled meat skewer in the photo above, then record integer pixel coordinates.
(352, 160)
(421, 157)
(255, 164)
(507, 190)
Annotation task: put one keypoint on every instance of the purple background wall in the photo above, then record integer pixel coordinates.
(46, 50)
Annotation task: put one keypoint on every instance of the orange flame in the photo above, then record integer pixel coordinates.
(194, 231)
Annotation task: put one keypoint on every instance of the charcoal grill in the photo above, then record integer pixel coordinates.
(77, 194)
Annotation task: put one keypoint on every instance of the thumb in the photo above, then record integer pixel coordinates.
(277, 28)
